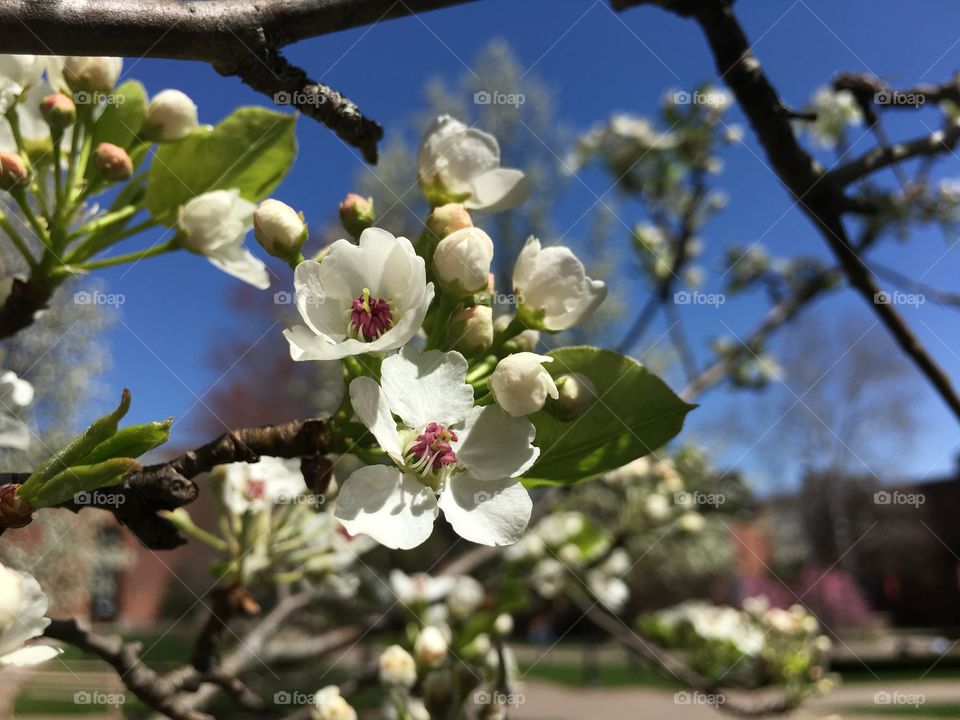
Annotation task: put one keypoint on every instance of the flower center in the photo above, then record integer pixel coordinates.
(255, 489)
(431, 451)
(370, 317)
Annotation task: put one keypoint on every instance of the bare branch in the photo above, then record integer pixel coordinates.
(152, 688)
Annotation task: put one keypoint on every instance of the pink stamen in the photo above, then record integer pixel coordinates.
(371, 317)
(255, 489)
(432, 447)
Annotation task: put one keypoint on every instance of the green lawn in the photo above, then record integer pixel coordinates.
(929, 710)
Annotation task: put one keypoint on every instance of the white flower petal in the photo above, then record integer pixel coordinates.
(236, 260)
(497, 190)
(484, 512)
(30, 655)
(456, 154)
(494, 445)
(427, 387)
(396, 510)
(370, 403)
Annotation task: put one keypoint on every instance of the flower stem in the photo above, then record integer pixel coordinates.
(17, 240)
(151, 251)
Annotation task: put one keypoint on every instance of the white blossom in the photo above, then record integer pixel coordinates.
(835, 111)
(419, 588)
(552, 288)
(465, 597)
(521, 384)
(448, 455)
(279, 228)
(22, 608)
(214, 224)
(253, 487)
(370, 297)
(458, 163)
(82, 73)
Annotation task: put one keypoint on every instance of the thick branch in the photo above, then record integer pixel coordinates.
(170, 485)
(241, 39)
(26, 299)
(144, 682)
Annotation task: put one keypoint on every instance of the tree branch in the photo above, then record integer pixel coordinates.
(242, 39)
(152, 688)
(170, 485)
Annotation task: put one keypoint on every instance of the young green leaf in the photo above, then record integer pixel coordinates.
(68, 484)
(81, 445)
(251, 150)
(130, 442)
(634, 414)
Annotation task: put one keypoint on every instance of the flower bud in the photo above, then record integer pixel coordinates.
(14, 512)
(397, 667)
(430, 649)
(329, 704)
(59, 111)
(113, 161)
(471, 330)
(92, 74)
(691, 522)
(171, 116)
(462, 260)
(577, 394)
(13, 170)
(447, 219)
(279, 229)
(503, 625)
(356, 214)
(521, 384)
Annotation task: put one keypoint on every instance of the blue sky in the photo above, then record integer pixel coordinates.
(596, 62)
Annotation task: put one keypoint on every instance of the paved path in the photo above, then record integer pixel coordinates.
(547, 701)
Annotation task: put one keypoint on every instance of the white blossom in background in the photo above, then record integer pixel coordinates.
(465, 597)
(370, 297)
(458, 163)
(552, 288)
(17, 74)
(430, 648)
(254, 487)
(33, 128)
(214, 225)
(22, 608)
(610, 591)
(420, 588)
(448, 455)
(835, 111)
(329, 704)
(84, 74)
(15, 394)
(521, 384)
(559, 528)
(397, 667)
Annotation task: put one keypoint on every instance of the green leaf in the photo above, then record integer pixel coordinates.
(130, 442)
(123, 117)
(99, 431)
(250, 150)
(66, 485)
(635, 414)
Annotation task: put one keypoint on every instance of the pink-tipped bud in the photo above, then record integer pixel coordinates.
(471, 330)
(356, 214)
(447, 219)
(13, 170)
(113, 161)
(58, 110)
